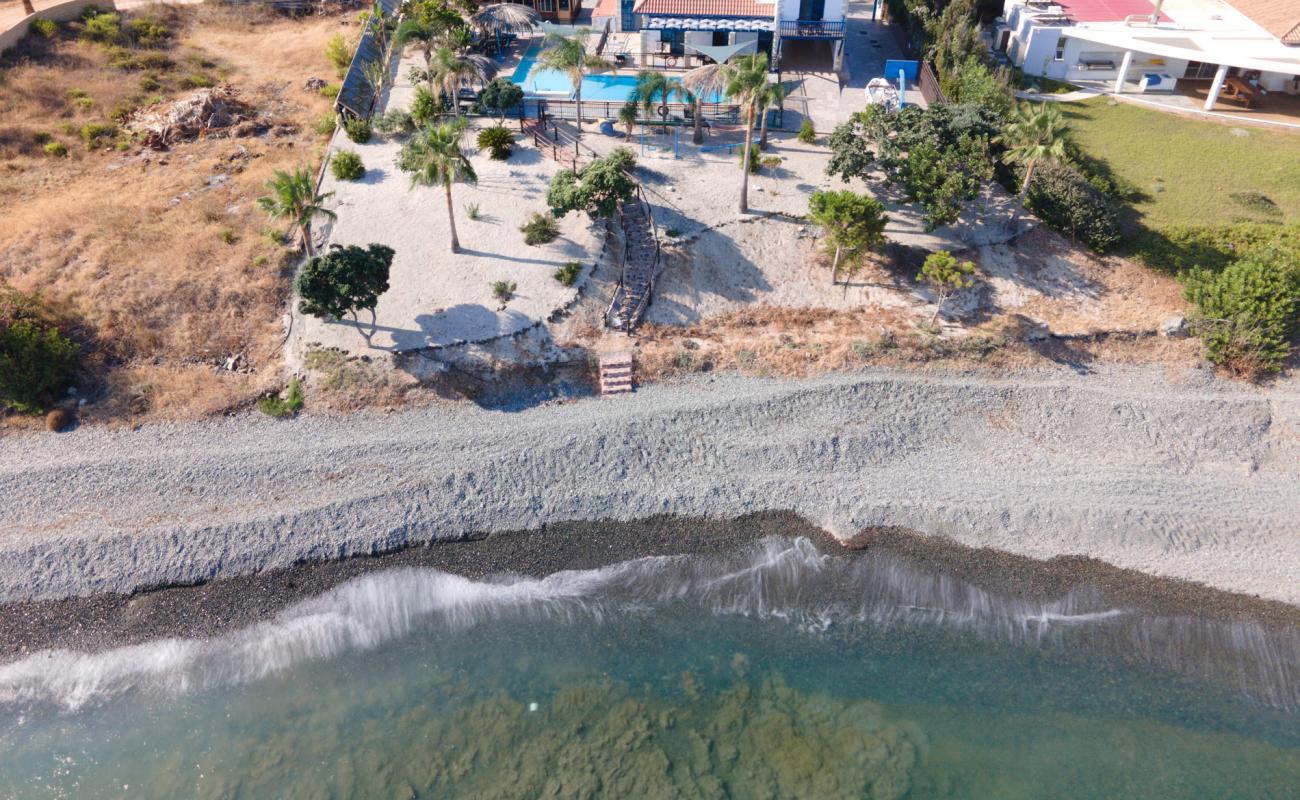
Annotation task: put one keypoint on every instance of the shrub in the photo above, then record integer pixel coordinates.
(1064, 199)
(771, 162)
(504, 290)
(1248, 313)
(147, 31)
(122, 111)
(44, 28)
(597, 188)
(149, 83)
(472, 211)
(498, 141)
(754, 159)
(852, 224)
(36, 359)
(57, 420)
(197, 80)
(93, 133)
(394, 122)
(499, 96)
(101, 28)
(807, 133)
(946, 275)
(339, 54)
(325, 123)
(55, 149)
(283, 406)
(540, 229)
(331, 90)
(568, 274)
(347, 166)
(344, 280)
(358, 129)
(1182, 247)
(425, 107)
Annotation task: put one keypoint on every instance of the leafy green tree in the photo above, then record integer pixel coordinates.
(501, 95)
(338, 53)
(433, 158)
(853, 225)
(1248, 313)
(294, 198)
(973, 82)
(450, 70)
(597, 188)
(946, 275)
(344, 280)
(1032, 137)
(746, 79)
(36, 360)
(943, 180)
(567, 53)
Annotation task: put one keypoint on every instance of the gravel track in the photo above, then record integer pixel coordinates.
(1196, 479)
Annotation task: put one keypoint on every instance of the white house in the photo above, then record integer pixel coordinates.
(813, 30)
(1236, 47)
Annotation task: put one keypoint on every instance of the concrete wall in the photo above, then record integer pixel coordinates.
(62, 12)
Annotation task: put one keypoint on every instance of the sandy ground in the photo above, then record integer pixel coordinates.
(1186, 477)
(437, 297)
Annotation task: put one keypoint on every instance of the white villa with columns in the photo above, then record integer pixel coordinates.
(1238, 48)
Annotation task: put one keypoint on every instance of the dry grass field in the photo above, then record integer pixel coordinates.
(162, 258)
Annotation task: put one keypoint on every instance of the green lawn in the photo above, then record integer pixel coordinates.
(1191, 172)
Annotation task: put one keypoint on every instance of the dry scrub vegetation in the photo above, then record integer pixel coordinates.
(162, 258)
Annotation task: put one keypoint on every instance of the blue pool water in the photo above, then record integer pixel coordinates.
(774, 671)
(610, 88)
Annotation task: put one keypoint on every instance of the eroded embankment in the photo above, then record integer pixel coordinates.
(1195, 479)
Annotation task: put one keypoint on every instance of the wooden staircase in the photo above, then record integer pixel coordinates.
(615, 373)
(640, 266)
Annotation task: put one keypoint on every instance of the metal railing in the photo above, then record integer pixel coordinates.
(811, 29)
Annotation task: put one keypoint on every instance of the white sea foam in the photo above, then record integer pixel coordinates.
(776, 579)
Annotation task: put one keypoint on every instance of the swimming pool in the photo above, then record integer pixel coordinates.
(616, 88)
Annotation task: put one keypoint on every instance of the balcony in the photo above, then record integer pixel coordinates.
(811, 29)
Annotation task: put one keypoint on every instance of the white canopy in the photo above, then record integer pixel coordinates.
(708, 24)
(720, 52)
(1266, 55)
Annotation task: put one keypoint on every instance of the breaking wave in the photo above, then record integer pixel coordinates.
(777, 579)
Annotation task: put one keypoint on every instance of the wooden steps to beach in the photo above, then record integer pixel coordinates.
(615, 373)
(640, 266)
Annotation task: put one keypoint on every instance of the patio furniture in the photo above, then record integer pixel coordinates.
(1238, 91)
(1095, 64)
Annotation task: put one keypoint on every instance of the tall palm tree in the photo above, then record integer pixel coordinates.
(746, 83)
(293, 197)
(416, 31)
(706, 81)
(568, 54)
(1032, 137)
(450, 70)
(774, 95)
(433, 158)
(651, 83)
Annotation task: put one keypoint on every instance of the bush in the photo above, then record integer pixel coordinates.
(149, 83)
(499, 96)
(540, 229)
(807, 133)
(197, 80)
(344, 280)
(1248, 313)
(597, 188)
(36, 359)
(425, 107)
(93, 133)
(347, 166)
(58, 419)
(55, 149)
(358, 129)
(43, 28)
(394, 122)
(1065, 200)
(504, 290)
(568, 274)
(330, 90)
(339, 54)
(146, 31)
(325, 124)
(1182, 247)
(754, 158)
(122, 112)
(283, 406)
(101, 28)
(498, 141)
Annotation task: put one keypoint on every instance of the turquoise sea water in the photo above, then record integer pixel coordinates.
(775, 672)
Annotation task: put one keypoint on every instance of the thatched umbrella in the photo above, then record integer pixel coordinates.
(508, 17)
(709, 79)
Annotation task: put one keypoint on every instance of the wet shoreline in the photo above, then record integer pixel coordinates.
(208, 609)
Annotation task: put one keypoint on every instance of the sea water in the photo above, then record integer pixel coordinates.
(777, 671)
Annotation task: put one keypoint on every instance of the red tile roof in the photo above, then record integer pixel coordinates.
(706, 8)
(1279, 17)
(1107, 10)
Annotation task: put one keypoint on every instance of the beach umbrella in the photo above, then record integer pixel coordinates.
(510, 17)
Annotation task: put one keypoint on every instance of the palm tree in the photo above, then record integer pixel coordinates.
(706, 81)
(450, 70)
(1034, 136)
(568, 54)
(433, 157)
(415, 30)
(746, 83)
(650, 83)
(773, 96)
(627, 115)
(293, 197)
(508, 17)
